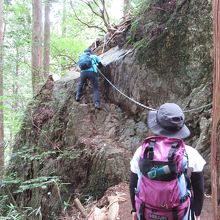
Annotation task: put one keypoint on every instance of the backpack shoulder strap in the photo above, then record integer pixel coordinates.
(149, 151)
(174, 147)
(93, 59)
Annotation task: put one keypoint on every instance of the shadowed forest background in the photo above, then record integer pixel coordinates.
(65, 29)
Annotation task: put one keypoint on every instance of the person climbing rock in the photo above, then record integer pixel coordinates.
(166, 178)
(88, 64)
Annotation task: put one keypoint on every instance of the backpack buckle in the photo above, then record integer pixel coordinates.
(175, 145)
(184, 198)
(172, 151)
(151, 148)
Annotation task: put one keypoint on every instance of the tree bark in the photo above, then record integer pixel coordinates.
(63, 59)
(1, 92)
(15, 84)
(37, 76)
(47, 39)
(215, 139)
(64, 19)
(126, 7)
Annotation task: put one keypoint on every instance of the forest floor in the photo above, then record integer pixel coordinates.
(121, 189)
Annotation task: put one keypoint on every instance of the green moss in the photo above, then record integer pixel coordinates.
(174, 38)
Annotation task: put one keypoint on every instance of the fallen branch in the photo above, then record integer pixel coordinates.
(116, 33)
(98, 214)
(114, 206)
(80, 207)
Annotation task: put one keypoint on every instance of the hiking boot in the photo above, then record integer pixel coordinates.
(97, 105)
(77, 99)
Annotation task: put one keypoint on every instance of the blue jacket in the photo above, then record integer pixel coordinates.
(95, 61)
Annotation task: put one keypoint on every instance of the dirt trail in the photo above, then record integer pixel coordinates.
(125, 207)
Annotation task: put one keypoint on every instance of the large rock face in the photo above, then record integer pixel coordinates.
(77, 149)
(173, 63)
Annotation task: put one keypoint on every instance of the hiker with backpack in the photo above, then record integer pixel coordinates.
(88, 64)
(166, 180)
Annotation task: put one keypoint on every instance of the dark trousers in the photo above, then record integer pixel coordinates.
(93, 78)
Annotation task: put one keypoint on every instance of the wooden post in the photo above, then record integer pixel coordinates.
(215, 139)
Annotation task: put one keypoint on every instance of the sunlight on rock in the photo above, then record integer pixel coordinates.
(113, 55)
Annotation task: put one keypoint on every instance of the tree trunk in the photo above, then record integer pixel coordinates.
(37, 76)
(126, 7)
(1, 93)
(63, 59)
(215, 139)
(64, 19)
(47, 39)
(15, 84)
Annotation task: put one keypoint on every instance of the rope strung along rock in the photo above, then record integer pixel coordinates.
(144, 106)
(138, 103)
